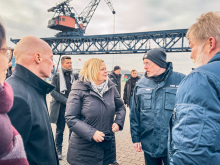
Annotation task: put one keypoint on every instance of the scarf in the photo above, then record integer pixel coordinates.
(100, 89)
(63, 87)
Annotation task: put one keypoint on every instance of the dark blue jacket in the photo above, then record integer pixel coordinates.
(151, 109)
(29, 115)
(195, 125)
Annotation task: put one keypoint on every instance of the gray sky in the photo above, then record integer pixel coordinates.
(30, 17)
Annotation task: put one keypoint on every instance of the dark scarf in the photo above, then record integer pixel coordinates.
(159, 78)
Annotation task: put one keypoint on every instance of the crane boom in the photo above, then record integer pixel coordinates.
(109, 3)
(68, 22)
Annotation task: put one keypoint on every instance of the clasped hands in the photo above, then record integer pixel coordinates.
(99, 136)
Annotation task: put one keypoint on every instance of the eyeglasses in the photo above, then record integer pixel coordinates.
(148, 64)
(8, 53)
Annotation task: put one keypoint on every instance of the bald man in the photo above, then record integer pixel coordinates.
(29, 114)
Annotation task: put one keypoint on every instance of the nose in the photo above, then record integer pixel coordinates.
(191, 56)
(145, 66)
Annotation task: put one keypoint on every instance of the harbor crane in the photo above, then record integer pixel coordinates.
(67, 21)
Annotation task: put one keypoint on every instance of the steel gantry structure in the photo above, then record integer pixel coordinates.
(170, 40)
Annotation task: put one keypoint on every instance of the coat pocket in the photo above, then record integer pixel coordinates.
(145, 99)
(170, 97)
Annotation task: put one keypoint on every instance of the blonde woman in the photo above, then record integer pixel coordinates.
(90, 115)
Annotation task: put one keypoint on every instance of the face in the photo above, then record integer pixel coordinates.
(3, 62)
(152, 69)
(198, 54)
(67, 64)
(117, 71)
(102, 73)
(47, 63)
(134, 74)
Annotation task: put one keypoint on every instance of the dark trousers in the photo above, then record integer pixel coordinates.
(60, 129)
(155, 161)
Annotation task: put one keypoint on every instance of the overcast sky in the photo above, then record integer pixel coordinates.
(30, 17)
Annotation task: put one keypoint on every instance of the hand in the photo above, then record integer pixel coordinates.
(115, 127)
(137, 147)
(98, 136)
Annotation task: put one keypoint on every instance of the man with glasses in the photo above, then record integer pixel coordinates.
(29, 114)
(152, 105)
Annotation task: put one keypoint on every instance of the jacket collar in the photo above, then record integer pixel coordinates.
(83, 85)
(216, 57)
(32, 79)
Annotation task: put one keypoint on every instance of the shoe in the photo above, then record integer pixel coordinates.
(60, 157)
(114, 163)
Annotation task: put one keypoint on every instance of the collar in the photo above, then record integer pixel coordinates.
(32, 79)
(216, 57)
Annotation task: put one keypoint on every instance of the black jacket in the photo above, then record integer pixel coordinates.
(87, 112)
(29, 115)
(127, 89)
(116, 79)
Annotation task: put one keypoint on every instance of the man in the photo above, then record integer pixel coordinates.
(115, 77)
(152, 105)
(129, 87)
(195, 126)
(29, 114)
(62, 81)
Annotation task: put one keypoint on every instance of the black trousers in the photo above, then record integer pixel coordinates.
(155, 161)
(60, 129)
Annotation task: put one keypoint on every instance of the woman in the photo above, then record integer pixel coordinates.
(11, 144)
(90, 111)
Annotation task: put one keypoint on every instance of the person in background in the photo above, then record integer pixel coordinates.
(195, 124)
(11, 144)
(129, 87)
(62, 82)
(94, 112)
(115, 77)
(29, 114)
(151, 107)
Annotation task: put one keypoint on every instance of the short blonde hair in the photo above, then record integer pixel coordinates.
(90, 70)
(207, 25)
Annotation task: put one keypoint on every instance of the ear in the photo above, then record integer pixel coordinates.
(37, 58)
(212, 44)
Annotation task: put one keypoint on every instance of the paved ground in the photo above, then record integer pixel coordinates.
(126, 154)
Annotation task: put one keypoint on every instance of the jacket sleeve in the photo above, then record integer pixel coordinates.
(125, 93)
(55, 93)
(73, 114)
(194, 136)
(20, 116)
(120, 109)
(135, 118)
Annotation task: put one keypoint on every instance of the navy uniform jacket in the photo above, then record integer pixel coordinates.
(151, 108)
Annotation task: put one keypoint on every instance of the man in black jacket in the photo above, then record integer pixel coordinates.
(129, 86)
(115, 77)
(29, 114)
(62, 82)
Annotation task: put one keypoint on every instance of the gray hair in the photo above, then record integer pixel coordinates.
(207, 25)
